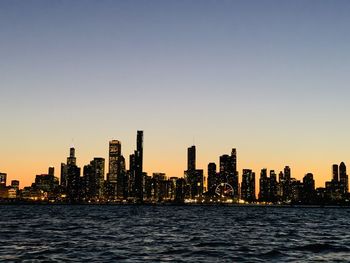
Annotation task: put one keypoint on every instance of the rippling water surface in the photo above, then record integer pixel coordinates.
(173, 233)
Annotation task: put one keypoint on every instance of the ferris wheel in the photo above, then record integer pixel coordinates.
(224, 190)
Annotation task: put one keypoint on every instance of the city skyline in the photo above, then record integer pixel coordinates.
(268, 78)
(111, 170)
(198, 164)
(132, 185)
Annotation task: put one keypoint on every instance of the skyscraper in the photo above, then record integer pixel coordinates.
(273, 187)
(72, 178)
(139, 167)
(335, 173)
(115, 149)
(308, 194)
(51, 171)
(121, 178)
(287, 184)
(194, 177)
(343, 178)
(248, 186)
(94, 179)
(71, 160)
(131, 176)
(3, 177)
(63, 178)
(264, 186)
(212, 178)
(234, 159)
(191, 158)
(228, 172)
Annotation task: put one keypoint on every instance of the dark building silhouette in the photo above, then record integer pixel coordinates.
(3, 178)
(248, 186)
(343, 178)
(158, 188)
(228, 172)
(180, 190)
(273, 187)
(63, 178)
(234, 159)
(191, 158)
(15, 184)
(194, 177)
(263, 186)
(297, 189)
(335, 172)
(308, 195)
(51, 171)
(213, 179)
(139, 167)
(71, 160)
(73, 188)
(286, 185)
(93, 180)
(121, 179)
(46, 182)
(131, 176)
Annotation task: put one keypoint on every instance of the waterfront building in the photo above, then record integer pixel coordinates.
(213, 179)
(248, 186)
(3, 178)
(139, 176)
(194, 177)
(73, 178)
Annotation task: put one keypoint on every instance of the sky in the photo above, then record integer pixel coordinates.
(269, 78)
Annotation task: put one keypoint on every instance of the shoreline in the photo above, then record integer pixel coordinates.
(177, 204)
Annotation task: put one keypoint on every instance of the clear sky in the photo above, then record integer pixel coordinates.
(270, 78)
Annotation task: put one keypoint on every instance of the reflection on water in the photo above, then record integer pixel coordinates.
(173, 233)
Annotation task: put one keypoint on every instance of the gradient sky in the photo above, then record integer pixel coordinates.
(270, 78)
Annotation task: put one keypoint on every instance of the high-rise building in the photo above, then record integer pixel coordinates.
(343, 178)
(273, 187)
(212, 178)
(234, 159)
(15, 184)
(287, 184)
(51, 171)
(264, 186)
(191, 158)
(131, 176)
(3, 177)
(115, 149)
(63, 178)
(228, 172)
(72, 178)
(121, 179)
(180, 190)
(308, 195)
(139, 167)
(94, 179)
(248, 186)
(115, 168)
(335, 172)
(194, 177)
(71, 160)
(287, 173)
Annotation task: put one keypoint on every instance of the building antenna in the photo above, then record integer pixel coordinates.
(193, 140)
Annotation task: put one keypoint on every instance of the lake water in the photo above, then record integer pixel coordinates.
(61, 233)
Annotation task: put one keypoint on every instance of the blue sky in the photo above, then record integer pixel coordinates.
(267, 77)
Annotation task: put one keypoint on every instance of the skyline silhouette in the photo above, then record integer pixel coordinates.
(116, 181)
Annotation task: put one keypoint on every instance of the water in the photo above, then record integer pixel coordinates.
(43, 233)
